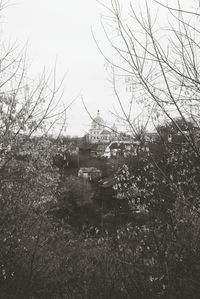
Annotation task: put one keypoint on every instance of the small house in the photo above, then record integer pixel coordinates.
(89, 173)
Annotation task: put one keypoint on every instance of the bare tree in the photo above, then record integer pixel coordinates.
(161, 61)
(29, 108)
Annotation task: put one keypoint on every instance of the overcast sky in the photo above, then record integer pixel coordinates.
(61, 31)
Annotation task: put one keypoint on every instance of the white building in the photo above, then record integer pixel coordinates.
(98, 132)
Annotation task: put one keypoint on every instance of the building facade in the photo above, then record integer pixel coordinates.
(98, 132)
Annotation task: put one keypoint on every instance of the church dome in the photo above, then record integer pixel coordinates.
(98, 120)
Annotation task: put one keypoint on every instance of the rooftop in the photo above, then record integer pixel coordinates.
(89, 169)
(105, 132)
(98, 119)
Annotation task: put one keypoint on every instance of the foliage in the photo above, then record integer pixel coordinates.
(164, 191)
(53, 242)
(28, 184)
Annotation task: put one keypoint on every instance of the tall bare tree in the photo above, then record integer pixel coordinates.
(29, 108)
(159, 54)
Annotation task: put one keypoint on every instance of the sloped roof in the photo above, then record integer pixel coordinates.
(89, 169)
(105, 132)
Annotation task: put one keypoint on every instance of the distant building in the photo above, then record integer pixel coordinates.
(98, 132)
(89, 173)
(120, 148)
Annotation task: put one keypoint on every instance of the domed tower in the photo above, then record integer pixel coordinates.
(97, 127)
